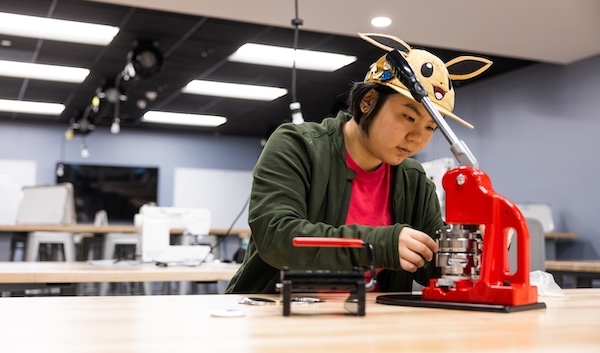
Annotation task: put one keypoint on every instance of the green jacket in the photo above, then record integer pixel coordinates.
(302, 186)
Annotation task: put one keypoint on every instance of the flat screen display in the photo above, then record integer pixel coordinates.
(119, 190)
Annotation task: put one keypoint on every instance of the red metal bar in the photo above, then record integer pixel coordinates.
(327, 242)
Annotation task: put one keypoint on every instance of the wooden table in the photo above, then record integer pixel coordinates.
(92, 234)
(552, 241)
(110, 271)
(560, 235)
(93, 229)
(583, 271)
(17, 276)
(184, 324)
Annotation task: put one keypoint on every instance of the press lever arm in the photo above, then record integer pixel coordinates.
(407, 76)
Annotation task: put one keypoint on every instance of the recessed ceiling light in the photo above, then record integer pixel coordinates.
(42, 71)
(158, 117)
(29, 107)
(59, 30)
(234, 90)
(261, 54)
(381, 21)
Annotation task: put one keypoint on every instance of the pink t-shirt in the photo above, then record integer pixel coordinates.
(370, 200)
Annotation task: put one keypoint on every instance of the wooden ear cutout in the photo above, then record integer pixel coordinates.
(386, 42)
(466, 67)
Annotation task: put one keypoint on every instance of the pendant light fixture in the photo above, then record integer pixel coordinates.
(295, 107)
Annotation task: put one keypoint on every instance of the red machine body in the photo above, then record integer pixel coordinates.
(470, 200)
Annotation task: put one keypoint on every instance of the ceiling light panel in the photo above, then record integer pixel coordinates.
(261, 54)
(42, 71)
(29, 107)
(53, 29)
(158, 117)
(234, 90)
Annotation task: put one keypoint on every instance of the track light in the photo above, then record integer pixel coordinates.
(115, 128)
(143, 61)
(69, 133)
(80, 126)
(296, 113)
(112, 94)
(295, 105)
(85, 152)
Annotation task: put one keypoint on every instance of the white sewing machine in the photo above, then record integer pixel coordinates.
(156, 224)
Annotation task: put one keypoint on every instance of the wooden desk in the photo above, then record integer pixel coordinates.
(184, 324)
(107, 271)
(551, 242)
(560, 235)
(92, 229)
(22, 276)
(95, 234)
(583, 271)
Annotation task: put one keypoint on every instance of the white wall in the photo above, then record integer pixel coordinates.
(225, 192)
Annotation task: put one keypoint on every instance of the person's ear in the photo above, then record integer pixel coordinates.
(368, 100)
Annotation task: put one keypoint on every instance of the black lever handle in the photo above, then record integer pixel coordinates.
(406, 75)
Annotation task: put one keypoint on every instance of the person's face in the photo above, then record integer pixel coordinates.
(402, 128)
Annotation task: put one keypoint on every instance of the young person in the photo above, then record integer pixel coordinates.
(351, 176)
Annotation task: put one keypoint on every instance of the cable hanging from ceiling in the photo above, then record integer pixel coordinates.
(295, 107)
(83, 126)
(143, 61)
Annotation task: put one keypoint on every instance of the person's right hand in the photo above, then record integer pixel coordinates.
(509, 234)
(414, 248)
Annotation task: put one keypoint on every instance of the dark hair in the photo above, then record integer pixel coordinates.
(358, 91)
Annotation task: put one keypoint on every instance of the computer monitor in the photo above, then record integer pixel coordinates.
(119, 190)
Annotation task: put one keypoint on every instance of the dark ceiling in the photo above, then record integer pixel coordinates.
(193, 47)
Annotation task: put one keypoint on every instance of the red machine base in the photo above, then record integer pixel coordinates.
(416, 300)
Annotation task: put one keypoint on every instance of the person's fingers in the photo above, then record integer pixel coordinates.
(411, 261)
(414, 248)
(421, 243)
(430, 244)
